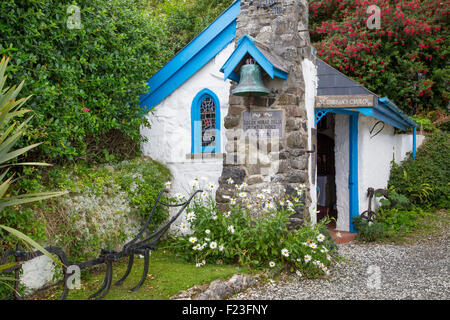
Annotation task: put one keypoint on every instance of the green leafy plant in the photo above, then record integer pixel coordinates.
(369, 231)
(254, 232)
(425, 180)
(11, 130)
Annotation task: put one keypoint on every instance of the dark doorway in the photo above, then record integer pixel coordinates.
(326, 185)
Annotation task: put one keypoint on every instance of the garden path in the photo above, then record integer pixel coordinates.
(410, 271)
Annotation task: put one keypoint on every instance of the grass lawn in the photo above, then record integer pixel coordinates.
(167, 276)
(434, 225)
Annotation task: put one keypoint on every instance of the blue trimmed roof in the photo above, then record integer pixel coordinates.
(268, 62)
(333, 82)
(192, 57)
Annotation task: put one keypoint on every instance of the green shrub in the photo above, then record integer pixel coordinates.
(254, 232)
(425, 180)
(391, 220)
(86, 82)
(369, 231)
(105, 204)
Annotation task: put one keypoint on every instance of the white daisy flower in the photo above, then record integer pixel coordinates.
(266, 190)
(285, 252)
(204, 194)
(298, 273)
(244, 185)
(269, 204)
(183, 227)
(214, 216)
(324, 250)
(312, 245)
(207, 231)
(198, 247)
(232, 201)
(192, 239)
(231, 229)
(227, 214)
(194, 183)
(221, 247)
(213, 245)
(211, 187)
(282, 203)
(243, 195)
(190, 216)
(307, 258)
(260, 196)
(167, 184)
(207, 239)
(230, 181)
(238, 187)
(271, 264)
(320, 237)
(249, 205)
(203, 179)
(179, 196)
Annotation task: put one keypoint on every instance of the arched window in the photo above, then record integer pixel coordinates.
(205, 123)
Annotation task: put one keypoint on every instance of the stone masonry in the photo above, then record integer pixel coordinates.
(279, 27)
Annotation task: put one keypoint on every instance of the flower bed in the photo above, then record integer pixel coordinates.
(253, 232)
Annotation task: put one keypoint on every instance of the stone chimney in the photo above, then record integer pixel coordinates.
(281, 28)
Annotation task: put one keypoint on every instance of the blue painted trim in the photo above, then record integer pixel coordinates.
(192, 57)
(196, 139)
(414, 142)
(246, 45)
(353, 170)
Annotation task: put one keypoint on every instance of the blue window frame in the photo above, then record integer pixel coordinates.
(205, 123)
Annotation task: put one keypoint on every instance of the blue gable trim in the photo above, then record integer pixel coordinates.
(193, 57)
(247, 45)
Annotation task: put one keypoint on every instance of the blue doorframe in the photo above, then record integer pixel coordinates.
(353, 170)
(353, 190)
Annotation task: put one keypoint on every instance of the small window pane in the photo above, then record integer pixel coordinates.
(208, 118)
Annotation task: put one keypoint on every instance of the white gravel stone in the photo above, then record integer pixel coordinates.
(419, 271)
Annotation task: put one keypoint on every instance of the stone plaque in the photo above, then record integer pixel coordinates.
(263, 124)
(362, 100)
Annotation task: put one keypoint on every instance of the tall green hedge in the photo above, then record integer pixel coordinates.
(426, 180)
(86, 82)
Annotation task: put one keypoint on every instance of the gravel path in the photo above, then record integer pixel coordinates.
(419, 271)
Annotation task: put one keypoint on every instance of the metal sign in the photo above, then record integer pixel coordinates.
(263, 123)
(347, 101)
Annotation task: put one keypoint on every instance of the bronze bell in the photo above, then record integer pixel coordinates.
(251, 83)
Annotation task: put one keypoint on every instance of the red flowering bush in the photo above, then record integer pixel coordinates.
(405, 59)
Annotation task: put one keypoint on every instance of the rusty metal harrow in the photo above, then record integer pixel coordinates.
(108, 257)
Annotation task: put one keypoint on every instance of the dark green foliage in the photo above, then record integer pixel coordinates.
(369, 232)
(86, 82)
(425, 180)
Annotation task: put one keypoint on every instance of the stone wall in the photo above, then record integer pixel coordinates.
(283, 164)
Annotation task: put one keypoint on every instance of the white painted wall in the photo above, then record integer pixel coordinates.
(169, 137)
(376, 155)
(310, 78)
